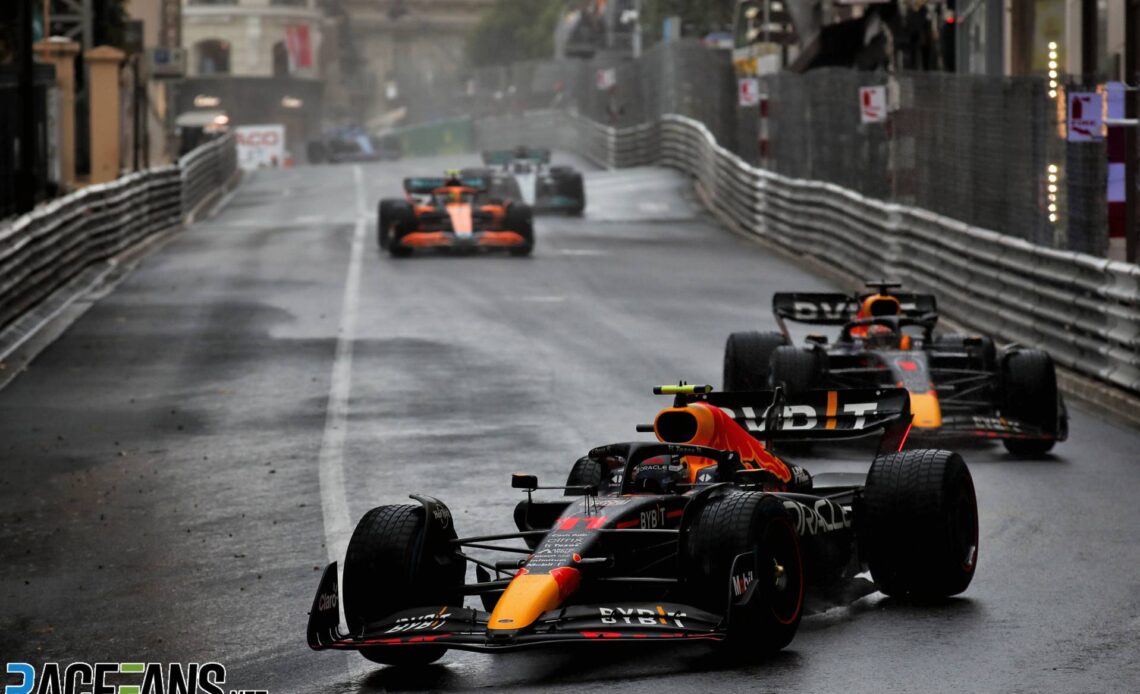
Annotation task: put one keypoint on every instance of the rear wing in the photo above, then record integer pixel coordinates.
(815, 414)
(427, 185)
(502, 157)
(824, 308)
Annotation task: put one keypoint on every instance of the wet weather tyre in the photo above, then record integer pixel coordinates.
(730, 525)
(916, 522)
(747, 357)
(520, 219)
(394, 219)
(983, 353)
(1029, 394)
(388, 568)
(794, 368)
(573, 187)
(586, 472)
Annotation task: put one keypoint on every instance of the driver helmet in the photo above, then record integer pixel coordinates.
(660, 474)
(880, 337)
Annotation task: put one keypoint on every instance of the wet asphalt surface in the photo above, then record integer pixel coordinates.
(160, 464)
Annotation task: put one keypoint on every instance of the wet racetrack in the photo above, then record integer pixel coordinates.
(177, 466)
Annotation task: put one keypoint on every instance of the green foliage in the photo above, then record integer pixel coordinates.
(109, 22)
(514, 30)
(698, 17)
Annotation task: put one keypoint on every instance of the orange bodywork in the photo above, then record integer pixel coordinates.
(701, 424)
(869, 309)
(461, 216)
(529, 595)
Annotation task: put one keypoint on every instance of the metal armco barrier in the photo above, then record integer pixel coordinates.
(603, 145)
(44, 249)
(206, 170)
(1083, 310)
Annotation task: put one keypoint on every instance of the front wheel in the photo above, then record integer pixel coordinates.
(1029, 394)
(917, 524)
(520, 220)
(389, 567)
(744, 545)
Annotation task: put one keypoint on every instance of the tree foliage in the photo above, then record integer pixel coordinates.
(514, 30)
(698, 17)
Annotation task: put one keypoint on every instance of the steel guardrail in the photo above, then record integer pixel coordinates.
(1083, 310)
(45, 248)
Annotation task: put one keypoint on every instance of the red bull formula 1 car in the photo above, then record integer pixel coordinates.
(453, 213)
(704, 536)
(958, 384)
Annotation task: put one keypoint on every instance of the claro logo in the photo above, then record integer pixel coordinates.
(267, 138)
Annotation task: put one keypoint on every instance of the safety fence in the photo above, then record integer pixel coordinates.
(206, 171)
(43, 250)
(1082, 309)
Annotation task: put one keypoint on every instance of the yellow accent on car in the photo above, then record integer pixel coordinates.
(681, 390)
(524, 601)
(926, 409)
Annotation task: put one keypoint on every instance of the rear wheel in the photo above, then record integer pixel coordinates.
(739, 523)
(746, 359)
(1029, 394)
(980, 349)
(388, 568)
(797, 370)
(573, 187)
(917, 524)
(520, 220)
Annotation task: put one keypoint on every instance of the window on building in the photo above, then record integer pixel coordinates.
(212, 57)
(280, 59)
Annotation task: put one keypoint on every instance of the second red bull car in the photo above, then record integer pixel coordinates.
(703, 537)
(958, 384)
(453, 213)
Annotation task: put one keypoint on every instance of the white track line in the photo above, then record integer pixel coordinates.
(334, 503)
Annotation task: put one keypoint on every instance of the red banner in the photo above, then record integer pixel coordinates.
(299, 46)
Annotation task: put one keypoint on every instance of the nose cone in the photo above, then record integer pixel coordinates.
(530, 595)
(926, 410)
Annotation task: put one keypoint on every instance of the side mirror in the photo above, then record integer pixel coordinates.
(527, 482)
(817, 339)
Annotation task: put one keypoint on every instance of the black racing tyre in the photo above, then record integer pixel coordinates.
(586, 472)
(916, 523)
(733, 524)
(394, 219)
(1029, 394)
(520, 219)
(747, 356)
(796, 369)
(316, 153)
(572, 186)
(983, 353)
(387, 569)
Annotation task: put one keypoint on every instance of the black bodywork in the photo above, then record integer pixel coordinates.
(958, 384)
(627, 541)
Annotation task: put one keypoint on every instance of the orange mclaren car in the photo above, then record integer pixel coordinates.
(453, 213)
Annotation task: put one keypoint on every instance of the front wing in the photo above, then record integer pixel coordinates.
(464, 628)
(987, 427)
(451, 239)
